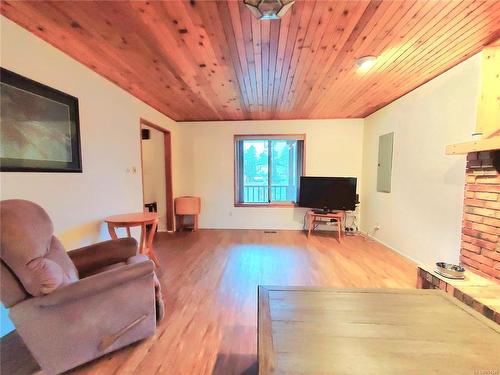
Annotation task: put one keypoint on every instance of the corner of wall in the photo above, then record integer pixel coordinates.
(421, 216)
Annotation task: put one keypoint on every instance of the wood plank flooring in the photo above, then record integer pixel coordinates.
(210, 280)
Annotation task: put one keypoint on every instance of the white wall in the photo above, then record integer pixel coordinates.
(332, 148)
(110, 136)
(153, 169)
(421, 217)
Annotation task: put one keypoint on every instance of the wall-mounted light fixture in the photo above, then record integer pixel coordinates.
(268, 9)
(365, 63)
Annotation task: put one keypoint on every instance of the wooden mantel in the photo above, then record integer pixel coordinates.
(484, 144)
(488, 109)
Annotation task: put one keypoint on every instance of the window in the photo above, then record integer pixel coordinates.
(268, 169)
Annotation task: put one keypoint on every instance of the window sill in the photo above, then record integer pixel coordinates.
(267, 205)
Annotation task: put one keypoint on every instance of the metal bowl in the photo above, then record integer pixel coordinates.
(451, 270)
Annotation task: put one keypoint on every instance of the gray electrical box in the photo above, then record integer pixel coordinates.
(384, 167)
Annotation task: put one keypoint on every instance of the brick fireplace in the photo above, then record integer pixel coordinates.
(480, 249)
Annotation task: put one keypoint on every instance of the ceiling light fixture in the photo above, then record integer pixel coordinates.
(365, 63)
(268, 9)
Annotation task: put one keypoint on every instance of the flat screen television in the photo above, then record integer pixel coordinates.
(328, 193)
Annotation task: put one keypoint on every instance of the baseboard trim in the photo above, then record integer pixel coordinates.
(373, 238)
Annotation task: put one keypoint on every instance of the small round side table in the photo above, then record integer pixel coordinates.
(139, 219)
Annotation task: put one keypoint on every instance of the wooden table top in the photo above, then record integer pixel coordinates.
(372, 331)
(329, 214)
(133, 218)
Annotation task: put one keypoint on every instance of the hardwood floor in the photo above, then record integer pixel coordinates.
(210, 280)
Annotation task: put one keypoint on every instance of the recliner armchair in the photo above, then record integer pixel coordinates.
(71, 307)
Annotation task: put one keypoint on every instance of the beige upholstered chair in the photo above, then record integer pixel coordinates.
(70, 308)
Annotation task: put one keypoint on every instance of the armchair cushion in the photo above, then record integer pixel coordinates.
(46, 276)
(140, 258)
(90, 259)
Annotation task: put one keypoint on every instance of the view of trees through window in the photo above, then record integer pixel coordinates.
(269, 168)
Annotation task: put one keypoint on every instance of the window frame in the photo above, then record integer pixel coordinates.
(239, 137)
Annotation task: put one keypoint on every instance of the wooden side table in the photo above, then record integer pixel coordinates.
(140, 219)
(314, 219)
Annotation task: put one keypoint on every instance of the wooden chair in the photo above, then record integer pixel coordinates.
(187, 206)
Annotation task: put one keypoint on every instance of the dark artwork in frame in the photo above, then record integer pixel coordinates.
(39, 127)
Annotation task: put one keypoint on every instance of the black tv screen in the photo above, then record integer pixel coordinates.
(328, 193)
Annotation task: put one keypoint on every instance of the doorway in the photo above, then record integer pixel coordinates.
(156, 166)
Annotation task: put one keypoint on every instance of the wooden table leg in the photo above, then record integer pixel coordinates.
(309, 224)
(181, 222)
(142, 243)
(340, 228)
(149, 244)
(128, 232)
(112, 231)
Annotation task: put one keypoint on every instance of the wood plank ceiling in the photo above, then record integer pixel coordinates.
(212, 60)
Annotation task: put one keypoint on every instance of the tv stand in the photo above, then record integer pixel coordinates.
(314, 219)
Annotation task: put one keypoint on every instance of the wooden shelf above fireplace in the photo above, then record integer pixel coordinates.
(487, 144)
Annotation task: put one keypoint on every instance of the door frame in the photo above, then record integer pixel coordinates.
(167, 141)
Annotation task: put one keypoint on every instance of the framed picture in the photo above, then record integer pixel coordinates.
(39, 127)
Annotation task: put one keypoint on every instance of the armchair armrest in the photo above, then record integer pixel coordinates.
(96, 284)
(90, 258)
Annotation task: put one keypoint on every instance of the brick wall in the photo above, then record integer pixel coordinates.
(480, 248)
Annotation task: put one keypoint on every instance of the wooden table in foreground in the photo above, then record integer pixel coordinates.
(305, 330)
(139, 219)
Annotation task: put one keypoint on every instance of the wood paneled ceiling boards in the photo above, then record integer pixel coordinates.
(213, 60)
